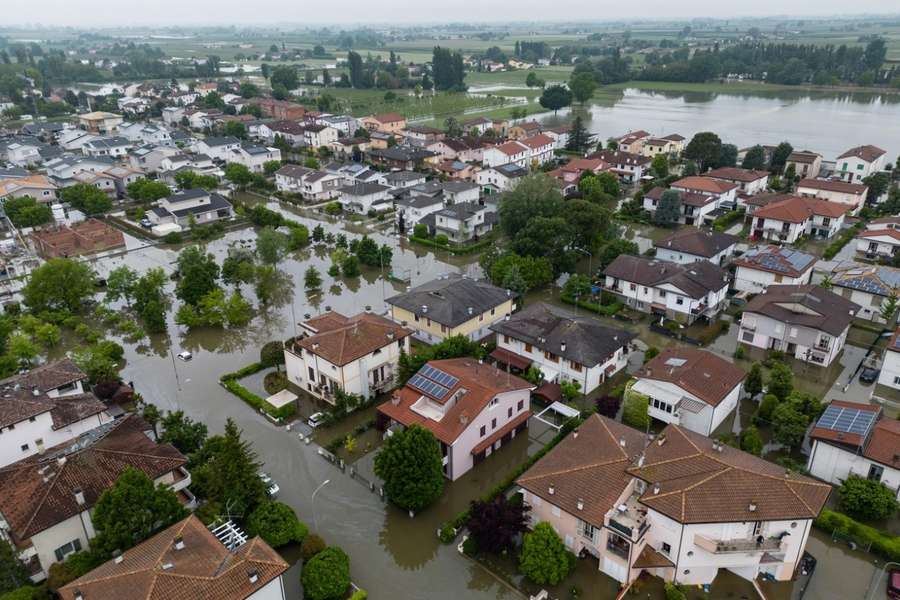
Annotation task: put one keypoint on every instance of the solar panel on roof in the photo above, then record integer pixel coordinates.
(847, 420)
(427, 386)
(439, 376)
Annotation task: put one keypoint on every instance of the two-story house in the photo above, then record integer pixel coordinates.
(541, 148)
(806, 322)
(670, 145)
(857, 163)
(627, 165)
(462, 222)
(402, 180)
(190, 206)
(470, 407)
(889, 376)
(679, 506)
(512, 152)
(364, 197)
(254, 156)
(880, 238)
(762, 266)
(563, 346)
(807, 164)
(696, 208)
(786, 220)
(869, 286)
(358, 355)
(452, 305)
(633, 141)
(851, 194)
(689, 387)
(725, 192)
(689, 245)
(748, 181)
(218, 148)
(48, 498)
(413, 209)
(681, 292)
(385, 123)
(502, 178)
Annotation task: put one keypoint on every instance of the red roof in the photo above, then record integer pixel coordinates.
(512, 148)
(704, 184)
(390, 118)
(797, 210)
(868, 153)
(832, 185)
(736, 174)
(537, 141)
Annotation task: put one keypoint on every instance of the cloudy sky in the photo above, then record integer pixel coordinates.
(216, 12)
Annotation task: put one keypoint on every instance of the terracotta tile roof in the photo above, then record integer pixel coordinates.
(873, 233)
(704, 184)
(830, 185)
(674, 137)
(692, 481)
(512, 148)
(590, 465)
(766, 198)
(703, 374)
(621, 158)
(481, 383)
(794, 209)
(699, 242)
(537, 141)
(389, 118)
(24, 396)
(651, 559)
(737, 174)
(202, 569)
(821, 309)
(803, 156)
(884, 444)
(689, 198)
(33, 501)
(633, 136)
(8, 186)
(529, 126)
(341, 340)
(868, 153)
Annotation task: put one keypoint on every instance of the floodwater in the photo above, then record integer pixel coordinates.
(825, 122)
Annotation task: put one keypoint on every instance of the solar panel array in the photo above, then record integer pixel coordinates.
(439, 376)
(434, 382)
(847, 420)
(776, 260)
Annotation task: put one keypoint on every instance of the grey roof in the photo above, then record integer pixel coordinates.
(587, 341)
(254, 148)
(364, 189)
(447, 300)
(14, 173)
(404, 153)
(216, 202)
(221, 141)
(706, 243)
(775, 259)
(187, 195)
(420, 201)
(461, 211)
(825, 310)
(512, 170)
(401, 176)
(111, 142)
(881, 281)
(696, 279)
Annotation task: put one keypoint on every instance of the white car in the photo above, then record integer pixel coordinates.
(316, 420)
(272, 488)
(185, 356)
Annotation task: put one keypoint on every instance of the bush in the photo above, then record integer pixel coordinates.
(673, 592)
(883, 544)
(420, 230)
(173, 237)
(312, 545)
(635, 410)
(274, 382)
(751, 441)
(327, 575)
(333, 208)
(650, 353)
(867, 500)
(544, 559)
(276, 523)
(767, 407)
(740, 353)
(441, 239)
(470, 546)
(359, 595)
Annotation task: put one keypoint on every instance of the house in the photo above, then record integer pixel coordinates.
(254, 156)
(172, 115)
(500, 179)
(681, 292)
(401, 180)
(146, 133)
(480, 125)
(44, 407)
(423, 133)
(75, 139)
(681, 506)
(462, 221)
(317, 186)
(353, 173)
(23, 155)
(122, 176)
(345, 124)
(187, 561)
(524, 129)
(471, 408)
(725, 192)
(347, 148)
(670, 146)
(628, 166)
(149, 158)
(48, 498)
(357, 355)
(541, 148)
(857, 163)
(868, 286)
(632, 142)
(218, 148)
(852, 194)
(762, 266)
(807, 164)
(508, 153)
(689, 245)
(200, 164)
(362, 198)
(38, 187)
(880, 238)
(453, 192)
(570, 173)
(385, 123)
(290, 131)
(890, 363)
(806, 322)
(696, 208)
(280, 109)
(405, 158)
(78, 239)
(692, 388)
(852, 439)
(785, 221)
(559, 135)
(317, 135)
(565, 347)
(456, 170)
(100, 122)
(190, 207)
(748, 181)
(117, 146)
(411, 210)
(451, 305)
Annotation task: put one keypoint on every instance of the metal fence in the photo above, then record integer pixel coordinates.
(353, 472)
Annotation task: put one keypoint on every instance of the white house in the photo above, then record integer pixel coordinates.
(785, 221)
(748, 181)
(402, 180)
(462, 222)
(181, 209)
(113, 146)
(317, 186)
(412, 210)
(868, 286)
(254, 156)
(563, 346)
(689, 245)
(762, 266)
(631, 167)
(857, 163)
(218, 148)
(697, 208)
(473, 409)
(880, 238)
(681, 292)
(364, 197)
(146, 133)
(890, 363)
(357, 355)
(852, 439)
(541, 147)
(23, 155)
(852, 194)
(692, 388)
(500, 178)
(724, 191)
(149, 158)
(509, 153)
(65, 167)
(680, 506)
(172, 115)
(806, 322)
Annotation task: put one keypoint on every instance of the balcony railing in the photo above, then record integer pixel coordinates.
(632, 532)
(739, 545)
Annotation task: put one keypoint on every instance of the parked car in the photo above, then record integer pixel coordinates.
(272, 488)
(893, 584)
(869, 375)
(316, 420)
(185, 355)
(146, 223)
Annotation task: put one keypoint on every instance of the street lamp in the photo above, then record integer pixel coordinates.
(877, 582)
(316, 491)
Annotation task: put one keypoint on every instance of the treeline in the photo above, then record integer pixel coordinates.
(447, 72)
(532, 51)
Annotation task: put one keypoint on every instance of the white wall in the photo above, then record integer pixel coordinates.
(834, 465)
(756, 281)
(890, 370)
(684, 258)
(274, 590)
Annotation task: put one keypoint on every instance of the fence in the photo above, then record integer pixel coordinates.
(353, 472)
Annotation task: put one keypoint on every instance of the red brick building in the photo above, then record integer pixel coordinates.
(86, 237)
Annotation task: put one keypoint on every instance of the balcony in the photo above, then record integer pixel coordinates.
(629, 519)
(738, 546)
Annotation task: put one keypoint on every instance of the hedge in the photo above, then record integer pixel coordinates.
(459, 521)
(887, 546)
(840, 241)
(468, 249)
(230, 382)
(722, 223)
(602, 309)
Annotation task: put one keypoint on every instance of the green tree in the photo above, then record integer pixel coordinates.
(668, 211)
(272, 284)
(132, 510)
(789, 424)
(198, 275)
(705, 148)
(583, 86)
(120, 284)
(238, 174)
(888, 308)
(86, 198)
(779, 157)
(536, 195)
(577, 285)
(312, 545)
(312, 280)
(270, 166)
(150, 300)
(613, 249)
(235, 129)
(635, 410)
(277, 524)
(866, 500)
(239, 267)
(284, 75)
(580, 139)
(767, 407)
(544, 558)
(327, 575)
(755, 158)
(189, 180)
(272, 354)
(271, 246)
(727, 156)
(533, 271)
(12, 572)
(409, 463)
(660, 166)
(754, 382)
(751, 441)
(59, 284)
(878, 184)
(25, 211)
(555, 97)
(350, 266)
(532, 80)
(227, 471)
(183, 432)
(781, 381)
(148, 190)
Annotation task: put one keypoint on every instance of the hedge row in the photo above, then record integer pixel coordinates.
(840, 241)
(602, 309)
(230, 382)
(458, 522)
(484, 243)
(887, 546)
(725, 221)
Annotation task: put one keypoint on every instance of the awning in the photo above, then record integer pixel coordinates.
(550, 374)
(651, 559)
(282, 398)
(510, 358)
(491, 439)
(551, 392)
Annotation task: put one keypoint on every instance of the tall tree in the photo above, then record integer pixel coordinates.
(227, 472)
(779, 157)
(197, 275)
(668, 211)
(495, 525)
(582, 86)
(409, 463)
(755, 158)
(705, 148)
(354, 61)
(13, 573)
(536, 195)
(59, 284)
(580, 139)
(555, 97)
(183, 432)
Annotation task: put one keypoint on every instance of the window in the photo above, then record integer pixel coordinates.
(897, 380)
(550, 356)
(747, 336)
(662, 293)
(509, 412)
(875, 472)
(443, 328)
(494, 402)
(482, 431)
(555, 510)
(521, 403)
(492, 312)
(679, 301)
(586, 530)
(481, 317)
(528, 348)
(66, 549)
(24, 447)
(632, 287)
(666, 548)
(505, 339)
(32, 419)
(575, 366)
(493, 423)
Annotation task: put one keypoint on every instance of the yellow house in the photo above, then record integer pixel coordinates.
(452, 305)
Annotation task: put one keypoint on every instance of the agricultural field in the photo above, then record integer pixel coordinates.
(441, 104)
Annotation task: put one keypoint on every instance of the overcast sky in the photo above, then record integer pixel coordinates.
(87, 13)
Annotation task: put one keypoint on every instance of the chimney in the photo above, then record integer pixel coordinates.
(424, 309)
(167, 566)
(622, 441)
(327, 308)
(368, 308)
(179, 543)
(580, 504)
(655, 488)
(78, 595)
(575, 435)
(79, 497)
(552, 489)
(752, 507)
(508, 293)
(117, 557)
(661, 440)
(471, 311)
(464, 418)
(395, 399)
(253, 575)
(61, 460)
(562, 347)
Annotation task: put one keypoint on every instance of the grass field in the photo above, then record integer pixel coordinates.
(442, 104)
(548, 74)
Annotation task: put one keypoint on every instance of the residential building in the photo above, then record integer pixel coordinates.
(353, 173)
(696, 208)
(385, 123)
(541, 148)
(807, 322)
(453, 192)
(689, 245)
(218, 148)
(512, 152)
(66, 167)
(524, 129)
(633, 142)
(762, 266)
(452, 305)
(46, 406)
(48, 498)
(316, 186)
(689, 387)
(565, 347)
(411, 210)
(500, 179)
(681, 507)
(880, 238)
(78, 239)
(857, 163)
(254, 156)
(785, 221)
(102, 181)
(361, 198)
(345, 124)
(748, 181)
(406, 158)
(400, 180)
(23, 155)
(807, 164)
(423, 133)
(316, 135)
(100, 122)
(559, 135)
(122, 176)
(280, 109)
(852, 439)
(681, 292)
(116, 147)
(570, 173)
(357, 355)
(670, 146)
(462, 222)
(187, 561)
(146, 133)
(479, 124)
(868, 286)
(630, 167)
(725, 192)
(190, 206)
(852, 194)
(149, 158)
(471, 408)
(38, 187)
(890, 363)
(73, 140)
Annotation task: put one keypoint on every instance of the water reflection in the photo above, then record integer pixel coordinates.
(411, 542)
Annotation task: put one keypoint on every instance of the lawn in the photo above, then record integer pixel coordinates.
(548, 74)
(441, 105)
